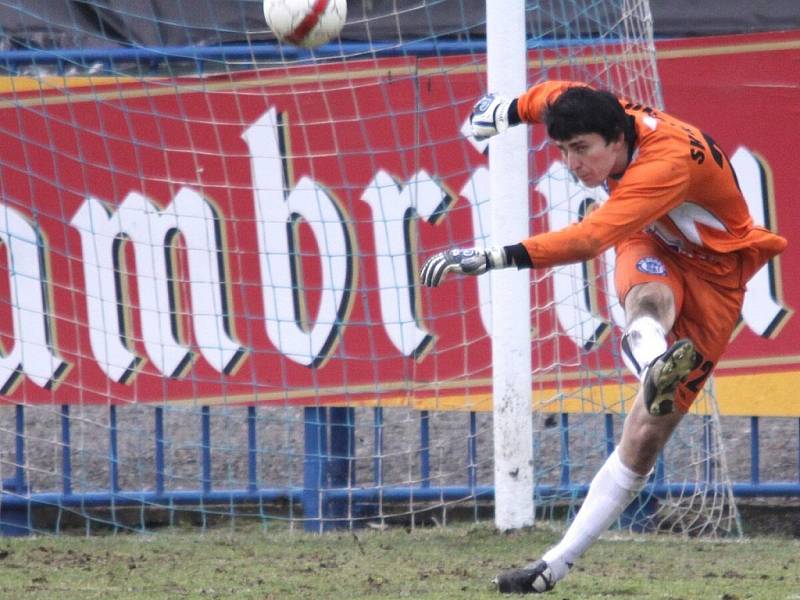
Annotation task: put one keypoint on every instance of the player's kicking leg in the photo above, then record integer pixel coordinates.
(611, 491)
(646, 431)
(613, 488)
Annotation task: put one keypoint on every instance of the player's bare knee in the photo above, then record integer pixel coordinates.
(651, 299)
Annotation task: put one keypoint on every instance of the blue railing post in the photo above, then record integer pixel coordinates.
(19, 447)
(377, 442)
(755, 455)
(158, 416)
(472, 451)
(340, 466)
(66, 452)
(113, 461)
(425, 448)
(205, 448)
(608, 423)
(565, 466)
(113, 450)
(15, 519)
(315, 454)
(252, 451)
(709, 448)
(472, 461)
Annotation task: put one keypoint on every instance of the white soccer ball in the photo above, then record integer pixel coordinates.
(305, 23)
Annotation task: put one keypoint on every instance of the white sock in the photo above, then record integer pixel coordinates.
(611, 491)
(644, 341)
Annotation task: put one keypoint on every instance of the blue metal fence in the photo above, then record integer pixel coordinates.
(151, 59)
(330, 494)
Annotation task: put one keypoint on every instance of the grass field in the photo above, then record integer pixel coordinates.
(458, 561)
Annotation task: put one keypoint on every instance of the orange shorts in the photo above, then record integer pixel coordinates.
(705, 312)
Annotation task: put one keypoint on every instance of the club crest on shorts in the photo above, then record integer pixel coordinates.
(652, 266)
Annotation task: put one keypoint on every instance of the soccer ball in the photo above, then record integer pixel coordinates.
(305, 23)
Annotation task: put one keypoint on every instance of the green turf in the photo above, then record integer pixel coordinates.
(458, 561)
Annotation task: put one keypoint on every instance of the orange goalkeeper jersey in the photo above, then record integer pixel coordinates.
(678, 187)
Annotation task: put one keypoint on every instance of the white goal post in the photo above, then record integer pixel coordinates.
(506, 65)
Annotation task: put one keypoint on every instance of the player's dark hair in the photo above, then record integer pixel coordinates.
(579, 110)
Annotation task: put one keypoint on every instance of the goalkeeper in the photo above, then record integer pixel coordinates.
(685, 244)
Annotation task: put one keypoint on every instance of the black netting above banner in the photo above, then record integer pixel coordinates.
(106, 23)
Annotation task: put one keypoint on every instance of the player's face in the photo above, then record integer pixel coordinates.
(591, 159)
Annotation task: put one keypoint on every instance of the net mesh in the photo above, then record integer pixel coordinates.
(210, 244)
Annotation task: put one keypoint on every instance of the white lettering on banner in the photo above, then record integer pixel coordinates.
(278, 213)
(152, 232)
(394, 229)
(106, 310)
(762, 311)
(34, 347)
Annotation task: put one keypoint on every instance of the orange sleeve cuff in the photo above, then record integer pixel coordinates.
(532, 104)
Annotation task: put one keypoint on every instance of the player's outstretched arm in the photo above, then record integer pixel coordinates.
(493, 114)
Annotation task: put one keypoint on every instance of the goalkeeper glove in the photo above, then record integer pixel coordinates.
(468, 261)
(490, 116)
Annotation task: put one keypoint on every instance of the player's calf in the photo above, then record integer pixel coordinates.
(664, 375)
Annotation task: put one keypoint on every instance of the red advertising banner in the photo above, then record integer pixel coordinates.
(255, 237)
(745, 90)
